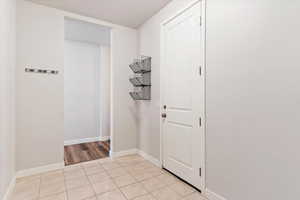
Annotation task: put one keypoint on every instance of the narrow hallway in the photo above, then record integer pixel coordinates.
(78, 153)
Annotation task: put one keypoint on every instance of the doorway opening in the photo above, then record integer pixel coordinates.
(87, 91)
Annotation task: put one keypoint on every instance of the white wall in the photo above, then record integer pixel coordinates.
(40, 100)
(81, 91)
(253, 97)
(7, 74)
(40, 97)
(124, 117)
(149, 45)
(105, 92)
(86, 32)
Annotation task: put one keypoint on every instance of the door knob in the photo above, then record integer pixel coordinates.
(163, 115)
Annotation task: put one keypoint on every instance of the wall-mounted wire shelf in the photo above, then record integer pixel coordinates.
(141, 65)
(142, 78)
(142, 94)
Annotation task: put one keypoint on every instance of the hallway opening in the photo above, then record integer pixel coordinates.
(86, 91)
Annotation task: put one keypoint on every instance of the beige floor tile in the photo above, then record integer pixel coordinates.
(100, 177)
(61, 196)
(124, 180)
(77, 182)
(133, 191)
(27, 190)
(28, 178)
(112, 195)
(195, 196)
(155, 171)
(106, 160)
(182, 189)
(94, 163)
(167, 179)
(166, 194)
(129, 160)
(74, 173)
(153, 184)
(141, 176)
(52, 174)
(52, 177)
(129, 157)
(52, 188)
(111, 165)
(135, 177)
(146, 174)
(90, 198)
(90, 162)
(129, 163)
(117, 172)
(72, 167)
(81, 193)
(145, 164)
(146, 197)
(93, 170)
(102, 187)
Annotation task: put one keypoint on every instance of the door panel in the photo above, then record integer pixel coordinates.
(183, 94)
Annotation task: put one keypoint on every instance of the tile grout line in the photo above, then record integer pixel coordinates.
(91, 185)
(65, 181)
(137, 182)
(40, 184)
(112, 179)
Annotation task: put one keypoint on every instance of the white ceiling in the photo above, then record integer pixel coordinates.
(131, 13)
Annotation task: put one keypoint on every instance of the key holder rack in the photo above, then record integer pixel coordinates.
(41, 71)
(141, 79)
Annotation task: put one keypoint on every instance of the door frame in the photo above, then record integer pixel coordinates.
(72, 16)
(203, 64)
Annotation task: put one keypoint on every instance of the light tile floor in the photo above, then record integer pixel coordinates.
(124, 178)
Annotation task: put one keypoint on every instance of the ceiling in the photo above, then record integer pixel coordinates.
(131, 13)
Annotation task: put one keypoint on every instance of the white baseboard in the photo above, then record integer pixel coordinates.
(80, 141)
(150, 158)
(123, 153)
(104, 138)
(10, 189)
(213, 196)
(38, 170)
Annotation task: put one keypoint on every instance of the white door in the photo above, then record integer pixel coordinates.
(81, 91)
(183, 97)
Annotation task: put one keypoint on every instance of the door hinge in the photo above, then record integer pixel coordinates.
(200, 121)
(200, 171)
(200, 70)
(200, 20)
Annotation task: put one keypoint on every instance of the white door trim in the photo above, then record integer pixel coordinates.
(203, 64)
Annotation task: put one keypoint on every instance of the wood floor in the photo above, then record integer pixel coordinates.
(86, 152)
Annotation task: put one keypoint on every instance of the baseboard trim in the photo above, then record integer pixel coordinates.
(80, 141)
(38, 170)
(104, 138)
(123, 153)
(10, 189)
(213, 196)
(150, 158)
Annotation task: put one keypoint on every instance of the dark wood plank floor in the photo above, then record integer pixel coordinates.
(86, 152)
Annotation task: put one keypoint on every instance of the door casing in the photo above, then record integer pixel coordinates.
(203, 65)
